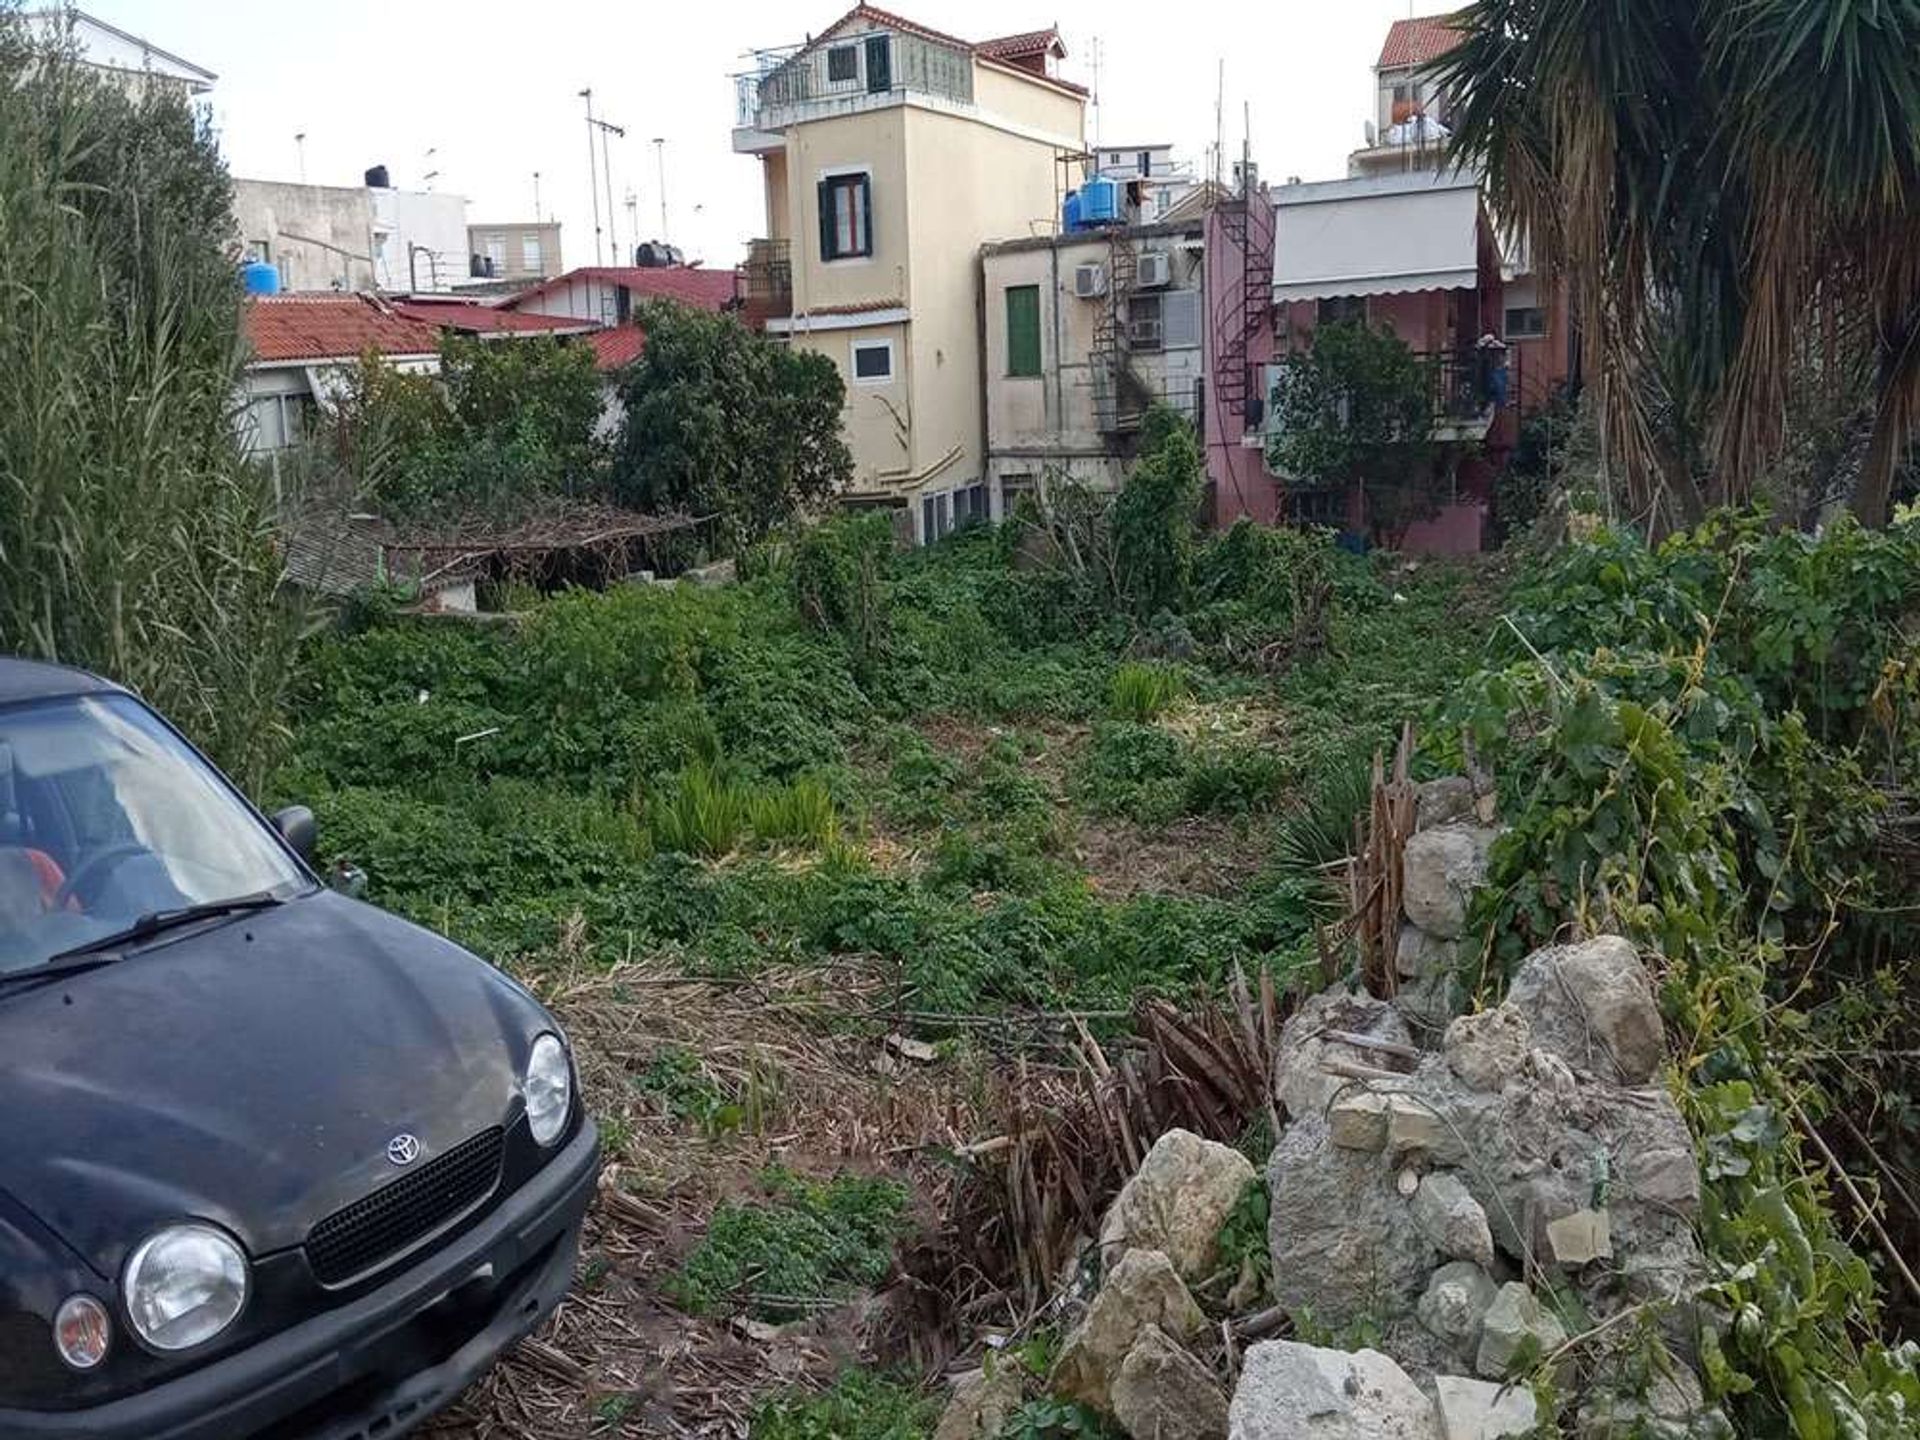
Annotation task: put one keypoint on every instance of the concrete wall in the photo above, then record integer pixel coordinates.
(1051, 423)
(1027, 100)
(507, 245)
(320, 236)
(873, 142)
(419, 239)
(580, 298)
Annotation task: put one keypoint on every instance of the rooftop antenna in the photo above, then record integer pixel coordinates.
(660, 154)
(599, 250)
(1097, 117)
(632, 203)
(536, 195)
(300, 148)
(1220, 124)
(433, 172)
(606, 128)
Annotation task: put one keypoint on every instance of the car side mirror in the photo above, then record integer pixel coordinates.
(296, 826)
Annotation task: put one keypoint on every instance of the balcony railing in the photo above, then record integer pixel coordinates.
(795, 78)
(1464, 396)
(766, 280)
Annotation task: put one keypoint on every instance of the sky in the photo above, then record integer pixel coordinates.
(487, 94)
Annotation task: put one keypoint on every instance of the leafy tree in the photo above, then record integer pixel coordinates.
(720, 421)
(1728, 186)
(133, 538)
(541, 388)
(1358, 406)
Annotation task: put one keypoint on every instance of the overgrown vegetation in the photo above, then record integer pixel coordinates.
(806, 1243)
(132, 538)
(858, 1406)
(720, 421)
(503, 426)
(1708, 747)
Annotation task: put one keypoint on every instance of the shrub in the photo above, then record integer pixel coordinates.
(800, 812)
(858, 1406)
(1142, 692)
(700, 813)
(808, 1240)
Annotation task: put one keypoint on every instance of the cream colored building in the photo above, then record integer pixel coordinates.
(891, 153)
(1084, 331)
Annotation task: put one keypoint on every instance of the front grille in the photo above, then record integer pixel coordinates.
(361, 1236)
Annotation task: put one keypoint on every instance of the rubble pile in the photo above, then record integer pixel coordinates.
(1472, 1202)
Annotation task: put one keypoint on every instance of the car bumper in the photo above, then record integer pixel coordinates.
(333, 1377)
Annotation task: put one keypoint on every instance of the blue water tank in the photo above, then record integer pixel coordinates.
(257, 277)
(1070, 213)
(1099, 201)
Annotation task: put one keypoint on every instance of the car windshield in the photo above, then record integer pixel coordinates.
(106, 817)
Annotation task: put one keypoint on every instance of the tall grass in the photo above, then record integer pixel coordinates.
(706, 811)
(1141, 691)
(134, 539)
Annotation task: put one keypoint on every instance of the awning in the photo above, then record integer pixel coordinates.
(1382, 235)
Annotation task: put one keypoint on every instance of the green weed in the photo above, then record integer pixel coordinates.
(1141, 692)
(859, 1405)
(700, 813)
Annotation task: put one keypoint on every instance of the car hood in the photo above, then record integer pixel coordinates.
(251, 1074)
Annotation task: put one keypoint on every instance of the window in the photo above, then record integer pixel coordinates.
(936, 517)
(1144, 322)
(846, 218)
(1343, 309)
(872, 362)
(843, 64)
(530, 254)
(1146, 162)
(970, 505)
(1180, 319)
(1023, 330)
(1013, 489)
(879, 65)
(496, 254)
(1526, 322)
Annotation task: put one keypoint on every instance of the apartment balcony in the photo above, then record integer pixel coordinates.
(1467, 402)
(766, 281)
(794, 84)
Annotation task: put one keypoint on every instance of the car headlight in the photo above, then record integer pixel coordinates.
(549, 1089)
(184, 1286)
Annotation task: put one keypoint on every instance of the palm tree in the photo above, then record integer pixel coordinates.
(1732, 188)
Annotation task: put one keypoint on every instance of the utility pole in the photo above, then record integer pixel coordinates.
(660, 155)
(599, 251)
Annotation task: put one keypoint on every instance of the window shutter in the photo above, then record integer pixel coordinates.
(826, 220)
(866, 216)
(1023, 330)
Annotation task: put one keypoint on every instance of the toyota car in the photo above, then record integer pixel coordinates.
(273, 1163)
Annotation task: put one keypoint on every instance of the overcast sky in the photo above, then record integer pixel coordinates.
(492, 90)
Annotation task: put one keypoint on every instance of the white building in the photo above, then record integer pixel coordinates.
(354, 237)
(1084, 332)
(1153, 180)
(136, 64)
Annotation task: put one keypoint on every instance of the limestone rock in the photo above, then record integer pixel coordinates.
(1456, 1303)
(1344, 1242)
(1429, 1003)
(1442, 802)
(981, 1403)
(1299, 1080)
(1176, 1203)
(1358, 1121)
(1452, 1219)
(1667, 1175)
(1418, 1126)
(1580, 1238)
(1488, 1049)
(1417, 954)
(1514, 1319)
(1480, 1410)
(1163, 1393)
(1440, 871)
(1591, 1004)
(1141, 1290)
(1290, 1391)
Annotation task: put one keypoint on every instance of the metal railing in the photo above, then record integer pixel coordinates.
(794, 77)
(766, 279)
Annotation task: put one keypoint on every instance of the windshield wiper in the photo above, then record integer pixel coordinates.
(69, 963)
(156, 921)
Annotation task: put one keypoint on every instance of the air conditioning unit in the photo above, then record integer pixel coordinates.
(1089, 281)
(1144, 333)
(1156, 270)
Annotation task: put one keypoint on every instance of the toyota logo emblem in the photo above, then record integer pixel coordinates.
(403, 1149)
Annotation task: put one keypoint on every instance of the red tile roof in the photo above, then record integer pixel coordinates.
(474, 319)
(1418, 40)
(283, 328)
(689, 284)
(1022, 46)
(617, 348)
